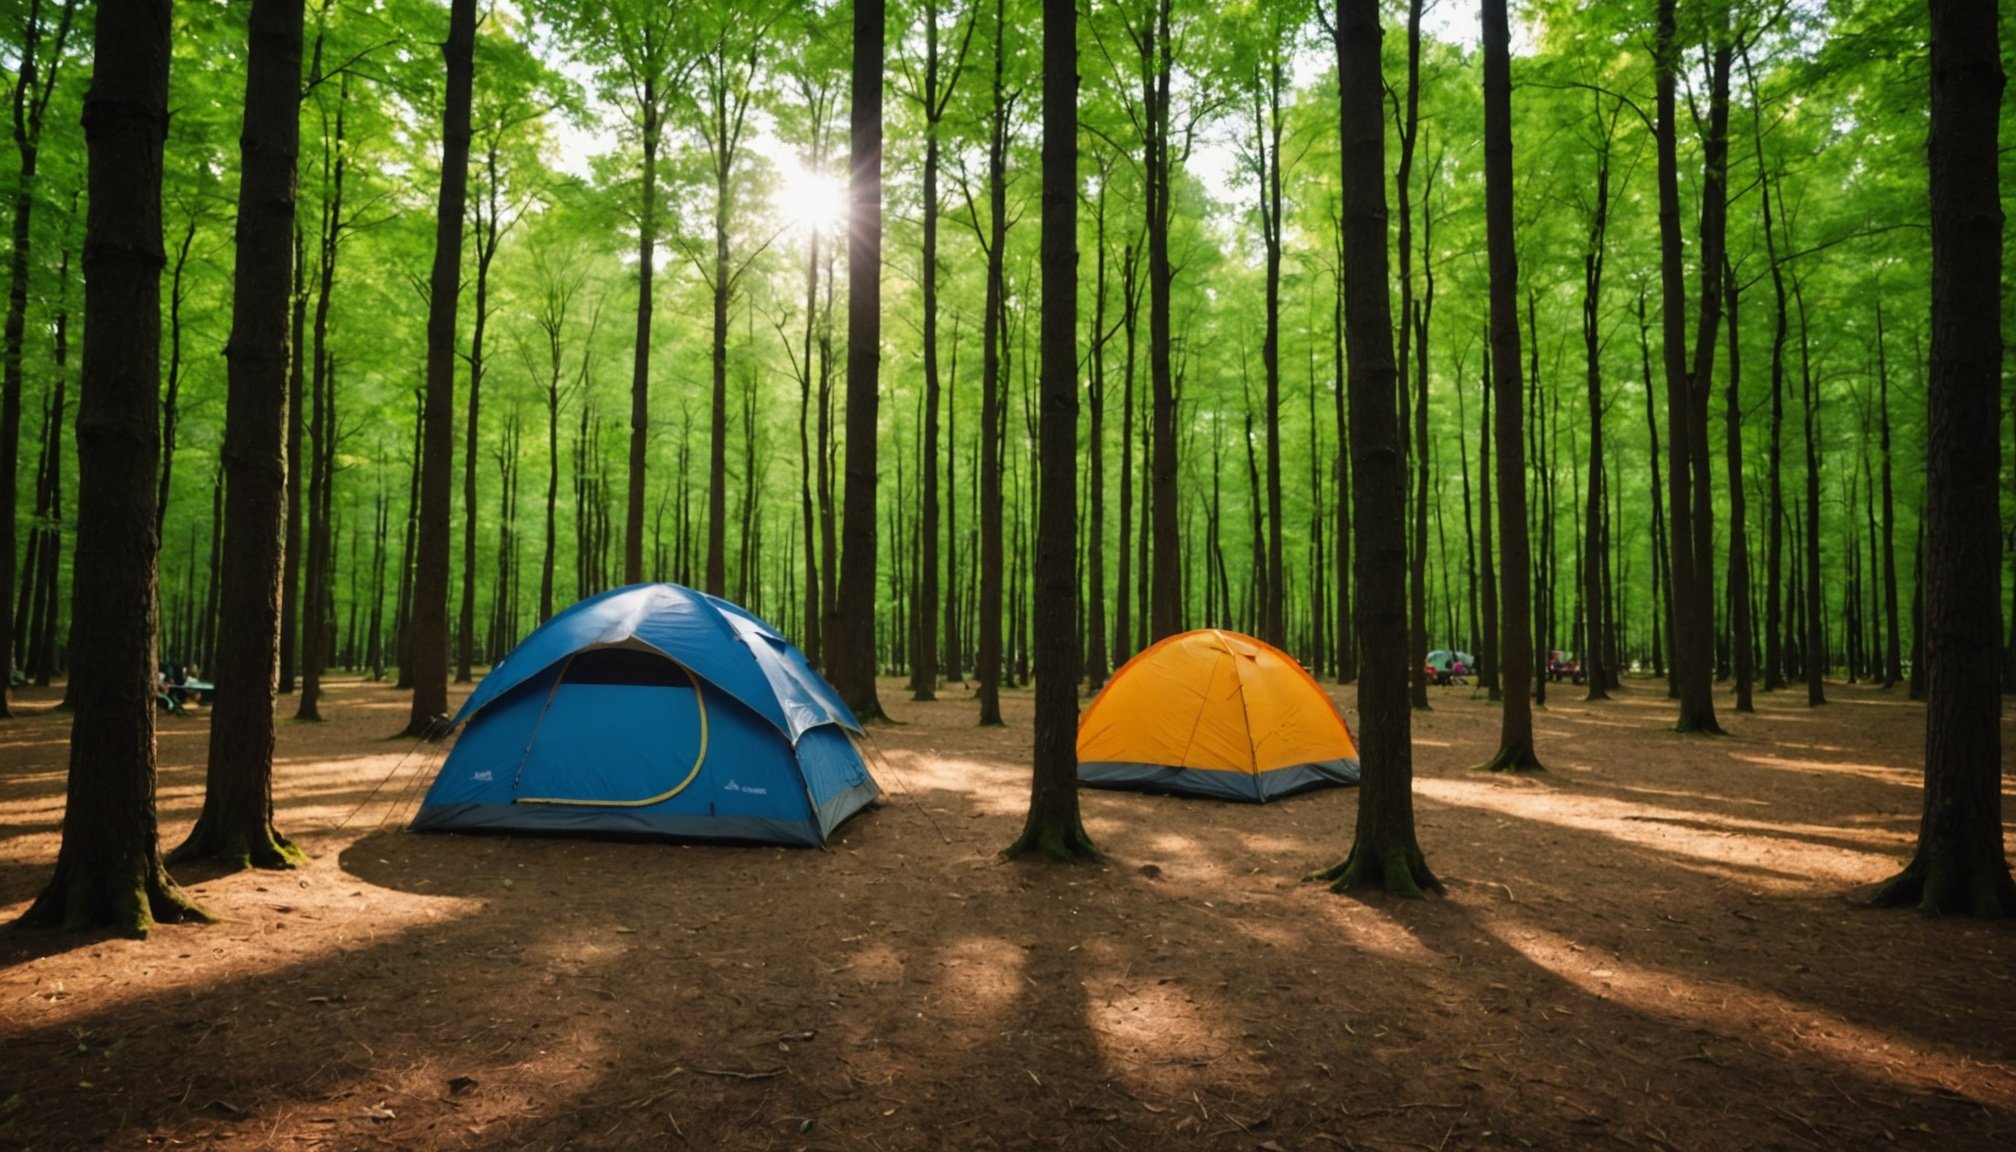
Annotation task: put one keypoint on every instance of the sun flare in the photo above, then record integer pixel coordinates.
(808, 199)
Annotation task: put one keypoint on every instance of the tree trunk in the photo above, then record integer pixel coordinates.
(1053, 829)
(1960, 864)
(1692, 578)
(321, 420)
(1487, 578)
(236, 823)
(1347, 624)
(851, 633)
(487, 230)
(1515, 659)
(108, 869)
(1268, 124)
(1816, 597)
(172, 393)
(1742, 641)
(1417, 634)
(924, 630)
(1094, 600)
(1165, 605)
(290, 549)
(430, 589)
(1893, 657)
(34, 83)
(1384, 850)
(1123, 584)
(1596, 546)
(987, 661)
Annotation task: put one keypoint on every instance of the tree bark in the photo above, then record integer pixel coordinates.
(430, 588)
(236, 823)
(108, 869)
(987, 660)
(1596, 545)
(1691, 578)
(1960, 864)
(1385, 851)
(1515, 658)
(1165, 600)
(1487, 578)
(1053, 829)
(1815, 643)
(1742, 641)
(1893, 658)
(851, 633)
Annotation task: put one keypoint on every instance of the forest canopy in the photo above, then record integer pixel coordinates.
(1227, 123)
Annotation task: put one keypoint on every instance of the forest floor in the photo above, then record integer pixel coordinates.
(1651, 945)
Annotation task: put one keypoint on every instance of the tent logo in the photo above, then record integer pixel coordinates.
(731, 786)
(483, 775)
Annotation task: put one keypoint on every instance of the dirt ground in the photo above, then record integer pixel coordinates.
(1648, 946)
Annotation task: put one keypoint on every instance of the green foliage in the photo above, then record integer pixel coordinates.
(1830, 116)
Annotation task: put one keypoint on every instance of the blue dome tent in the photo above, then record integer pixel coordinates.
(653, 711)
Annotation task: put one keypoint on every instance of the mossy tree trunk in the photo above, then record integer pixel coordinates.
(108, 870)
(1960, 864)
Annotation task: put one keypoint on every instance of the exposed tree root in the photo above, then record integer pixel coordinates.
(1399, 870)
(1053, 843)
(128, 900)
(1986, 893)
(1513, 758)
(261, 848)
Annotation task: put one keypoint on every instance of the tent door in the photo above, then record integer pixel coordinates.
(621, 728)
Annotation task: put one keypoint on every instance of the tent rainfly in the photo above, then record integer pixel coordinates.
(1215, 713)
(659, 712)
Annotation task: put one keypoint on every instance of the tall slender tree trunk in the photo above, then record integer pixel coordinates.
(1384, 850)
(321, 421)
(1094, 600)
(1515, 659)
(1052, 828)
(297, 394)
(108, 868)
(236, 820)
(1960, 863)
(35, 74)
(172, 393)
(1596, 546)
(1815, 642)
(851, 633)
(487, 234)
(430, 588)
(1268, 126)
(1688, 536)
(652, 128)
(1487, 578)
(1742, 640)
(1893, 657)
(1165, 604)
(988, 663)
(1403, 180)
(924, 662)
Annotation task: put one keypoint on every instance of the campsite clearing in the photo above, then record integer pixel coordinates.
(1647, 946)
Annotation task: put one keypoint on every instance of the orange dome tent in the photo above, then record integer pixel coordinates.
(1215, 714)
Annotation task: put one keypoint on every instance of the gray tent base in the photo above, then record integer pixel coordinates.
(1255, 788)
